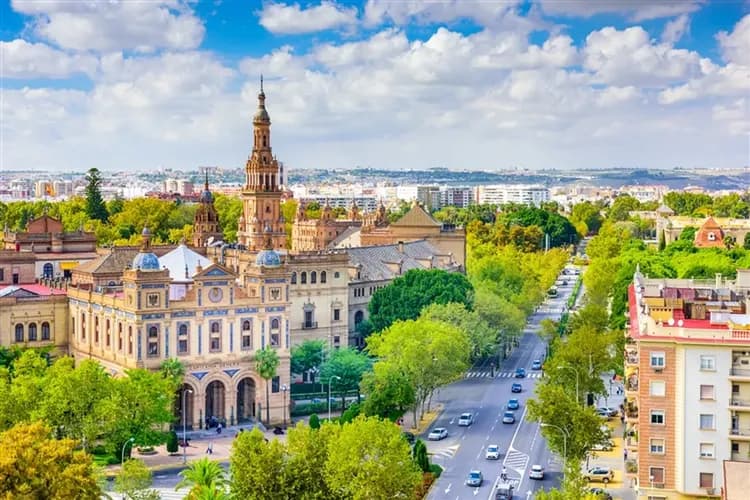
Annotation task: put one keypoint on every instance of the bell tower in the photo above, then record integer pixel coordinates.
(261, 196)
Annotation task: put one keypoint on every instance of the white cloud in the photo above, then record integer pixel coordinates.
(735, 115)
(635, 10)
(22, 59)
(735, 46)
(110, 26)
(629, 57)
(293, 19)
(675, 29)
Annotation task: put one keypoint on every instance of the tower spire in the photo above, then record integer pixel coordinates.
(206, 184)
(261, 83)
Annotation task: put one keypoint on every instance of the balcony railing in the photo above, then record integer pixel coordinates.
(739, 431)
(309, 325)
(739, 402)
(740, 457)
(741, 372)
(631, 359)
(631, 386)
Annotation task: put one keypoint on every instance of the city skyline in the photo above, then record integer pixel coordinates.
(476, 85)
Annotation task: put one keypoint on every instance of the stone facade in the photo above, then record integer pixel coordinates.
(711, 231)
(206, 227)
(311, 235)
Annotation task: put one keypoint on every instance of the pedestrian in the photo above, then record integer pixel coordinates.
(625, 454)
(210, 448)
(218, 428)
(504, 474)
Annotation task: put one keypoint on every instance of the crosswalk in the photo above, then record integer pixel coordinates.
(447, 452)
(516, 460)
(488, 374)
(164, 494)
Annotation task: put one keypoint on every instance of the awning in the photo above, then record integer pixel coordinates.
(68, 265)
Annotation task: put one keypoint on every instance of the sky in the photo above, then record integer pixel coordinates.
(461, 84)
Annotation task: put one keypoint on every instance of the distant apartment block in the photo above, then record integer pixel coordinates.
(365, 203)
(645, 193)
(500, 194)
(179, 186)
(460, 197)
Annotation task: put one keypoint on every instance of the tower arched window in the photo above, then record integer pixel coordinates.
(32, 332)
(19, 333)
(45, 331)
(313, 278)
(83, 326)
(323, 276)
(303, 278)
(294, 278)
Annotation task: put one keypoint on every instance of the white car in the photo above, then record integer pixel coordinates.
(465, 420)
(493, 452)
(536, 472)
(437, 434)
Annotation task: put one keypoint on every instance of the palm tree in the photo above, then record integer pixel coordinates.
(205, 477)
(266, 364)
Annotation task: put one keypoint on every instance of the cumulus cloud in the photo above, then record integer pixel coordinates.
(734, 45)
(634, 10)
(675, 29)
(112, 26)
(22, 59)
(282, 18)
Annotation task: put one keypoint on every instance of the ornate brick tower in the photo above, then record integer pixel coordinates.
(206, 222)
(261, 197)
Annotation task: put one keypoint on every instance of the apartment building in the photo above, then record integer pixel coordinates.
(687, 383)
(501, 194)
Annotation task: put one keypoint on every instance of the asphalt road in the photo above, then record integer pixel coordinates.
(521, 443)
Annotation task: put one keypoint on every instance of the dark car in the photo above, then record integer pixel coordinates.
(513, 404)
(516, 387)
(520, 373)
(600, 493)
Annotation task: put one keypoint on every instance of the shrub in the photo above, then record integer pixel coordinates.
(314, 421)
(172, 443)
(436, 470)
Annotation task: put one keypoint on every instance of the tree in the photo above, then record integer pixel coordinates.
(420, 455)
(314, 421)
(266, 364)
(368, 459)
(621, 207)
(95, 207)
(34, 465)
(407, 295)
(344, 369)
(688, 234)
(482, 338)
(588, 214)
(746, 241)
(687, 203)
(389, 392)
(134, 477)
(307, 454)
(203, 476)
(257, 467)
(173, 370)
(173, 444)
(306, 356)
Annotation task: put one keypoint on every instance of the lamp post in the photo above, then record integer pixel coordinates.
(329, 393)
(284, 389)
(564, 367)
(565, 444)
(129, 441)
(185, 392)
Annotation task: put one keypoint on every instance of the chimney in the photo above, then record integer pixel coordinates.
(718, 280)
(400, 247)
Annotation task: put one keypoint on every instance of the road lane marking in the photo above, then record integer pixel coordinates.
(448, 489)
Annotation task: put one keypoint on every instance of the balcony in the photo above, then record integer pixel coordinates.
(631, 357)
(631, 387)
(740, 433)
(631, 412)
(740, 373)
(309, 325)
(738, 404)
(740, 457)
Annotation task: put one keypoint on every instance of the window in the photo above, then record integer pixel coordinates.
(656, 475)
(323, 276)
(214, 344)
(656, 446)
(275, 332)
(657, 417)
(657, 360)
(45, 331)
(19, 333)
(707, 421)
(657, 388)
(107, 334)
(707, 392)
(130, 340)
(309, 323)
(336, 340)
(735, 389)
(48, 270)
(707, 450)
(359, 316)
(16, 278)
(708, 363)
(294, 278)
(83, 326)
(247, 335)
(96, 329)
(706, 480)
(711, 236)
(182, 339)
(303, 278)
(153, 341)
(2, 274)
(119, 337)
(275, 384)
(32, 332)
(337, 315)
(336, 275)
(313, 278)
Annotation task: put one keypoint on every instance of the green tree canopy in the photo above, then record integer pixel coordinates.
(267, 364)
(307, 355)
(95, 207)
(344, 368)
(482, 338)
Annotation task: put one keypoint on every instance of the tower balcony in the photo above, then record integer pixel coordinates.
(739, 374)
(631, 356)
(740, 433)
(737, 404)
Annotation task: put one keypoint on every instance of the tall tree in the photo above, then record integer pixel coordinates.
(306, 356)
(304, 471)
(257, 467)
(344, 369)
(389, 392)
(266, 364)
(202, 476)
(134, 480)
(95, 207)
(482, 338)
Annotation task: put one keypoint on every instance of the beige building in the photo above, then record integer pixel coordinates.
(311, 235)
(712, 231)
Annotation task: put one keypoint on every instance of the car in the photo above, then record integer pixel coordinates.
(520, 373)
(612, 412)
(599, 474)
(536, 364)
(410, 438)
(493, 452)
(513, 404)
(465, 420)
(516, 387)
(564, 283)
(600, 493)
(536, 472)
(605, 446)
(437, 434)
(509, 417)
(603, 412)
(474, 478)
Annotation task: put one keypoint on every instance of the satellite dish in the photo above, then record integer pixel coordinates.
(670, 322)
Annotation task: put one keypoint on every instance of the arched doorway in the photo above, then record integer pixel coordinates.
(245, 400)
(48, 270)
(186, 419)
(215, 394)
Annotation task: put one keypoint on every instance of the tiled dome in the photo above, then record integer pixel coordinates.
(268, 258)
(146, 262)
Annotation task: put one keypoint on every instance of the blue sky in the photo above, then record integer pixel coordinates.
(382, 83)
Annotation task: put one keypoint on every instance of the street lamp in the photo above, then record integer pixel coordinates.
(329, 393)
(184, 425)
(131, 440)
(565, 444)
(284, 389)
(564, 367)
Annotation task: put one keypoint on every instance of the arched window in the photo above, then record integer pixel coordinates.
(107, 333)
(153, 332)
(83, 326)
(359, 316)
(119, 337)
(153, 341)
(130, 340)
(323, 276)
(247, 338)
(183, 329)
(303, 278)
(274, 324)
(246, 326)
(215, 327)
(19, 332)
(32, 332)
(96, 329)
(294, 278)
(45, 331)
(313, 278)
(48, 270)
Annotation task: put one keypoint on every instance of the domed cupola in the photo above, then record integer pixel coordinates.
(268, 257)
(146, 260)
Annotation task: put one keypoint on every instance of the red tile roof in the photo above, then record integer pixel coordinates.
(38, 289)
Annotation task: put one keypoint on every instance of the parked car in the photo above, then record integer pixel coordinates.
(493, 452)
(437, 434)
(536, 364)
(607, 412)
(520, 373)
(516, 387)
(465, 420)
(474, 478)
(600, 493)
(509, 417)
(536, 472)
(513, 404)
(605, 446)
(600, 474)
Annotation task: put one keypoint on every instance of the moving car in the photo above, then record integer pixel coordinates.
(610, 412)
(437, 434)
(474, 478)
(465, 420)
(504, 491)
(509, 417)
(605, 446)
(513, 404)
(520, 373)
(536, 364)
(516, 387)
(536, 472)
(600, 493)
(602, 474)
(493, 452)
